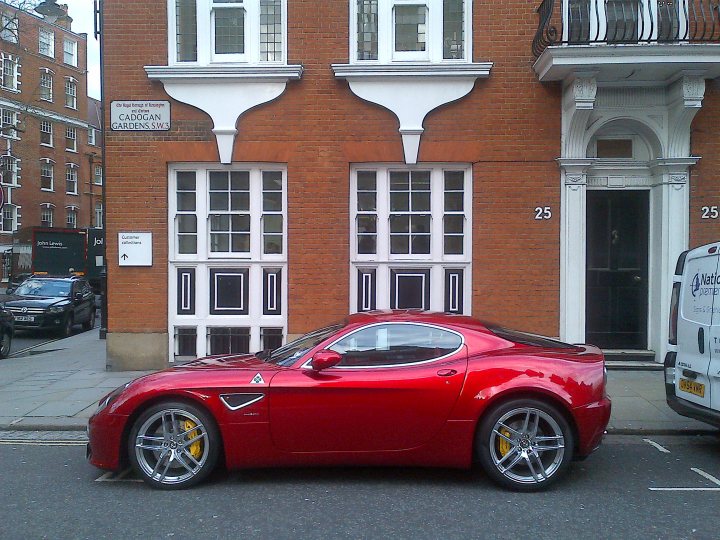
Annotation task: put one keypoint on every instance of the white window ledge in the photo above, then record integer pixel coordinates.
(411, 91)
(224, 92)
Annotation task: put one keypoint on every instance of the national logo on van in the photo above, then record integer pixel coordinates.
(705, 285)
(695, 285)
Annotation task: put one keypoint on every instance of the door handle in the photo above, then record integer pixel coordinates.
(701, 340)
(637, 279)
(446, 372)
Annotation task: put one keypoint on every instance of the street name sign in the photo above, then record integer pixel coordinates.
(135, 248)
(140, 115)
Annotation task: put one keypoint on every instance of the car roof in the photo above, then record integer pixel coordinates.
(416, 315)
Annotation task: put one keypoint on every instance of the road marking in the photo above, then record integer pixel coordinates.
(657, 446)
(21, 442)
(705, 475)
(112, 476)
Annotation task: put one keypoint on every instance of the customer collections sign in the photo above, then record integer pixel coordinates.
(140, 115)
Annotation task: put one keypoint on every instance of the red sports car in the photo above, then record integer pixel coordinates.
(382, 388)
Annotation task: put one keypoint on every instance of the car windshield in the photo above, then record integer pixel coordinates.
(288, 354)
(42, 287)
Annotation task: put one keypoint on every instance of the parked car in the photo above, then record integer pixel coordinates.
(382, 388)
(52, 303)
(7, 332)
(692, 366)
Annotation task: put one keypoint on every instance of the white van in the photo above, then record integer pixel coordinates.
(692, 366)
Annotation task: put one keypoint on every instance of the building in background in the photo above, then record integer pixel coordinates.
(48, 148)
(537, 165)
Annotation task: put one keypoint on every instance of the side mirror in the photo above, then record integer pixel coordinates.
(78, 296)
(325, 359)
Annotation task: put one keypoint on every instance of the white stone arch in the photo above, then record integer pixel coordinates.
(650, 135)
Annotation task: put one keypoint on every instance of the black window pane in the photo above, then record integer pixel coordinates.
(186, 342)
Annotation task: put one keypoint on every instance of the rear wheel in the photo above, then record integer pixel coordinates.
(5, 344)
(524, 444)
(174, 445)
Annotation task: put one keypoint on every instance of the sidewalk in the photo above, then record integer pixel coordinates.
(56, 386)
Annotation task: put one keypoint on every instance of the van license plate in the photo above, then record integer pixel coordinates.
(24, 318)
(692, 387)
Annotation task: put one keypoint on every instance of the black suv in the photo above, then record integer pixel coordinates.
(44, 303)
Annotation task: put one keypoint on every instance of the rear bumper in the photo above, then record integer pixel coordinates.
(591, 421)
(682, 406)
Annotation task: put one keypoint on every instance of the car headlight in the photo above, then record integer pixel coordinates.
(56, 309)
(112, 396)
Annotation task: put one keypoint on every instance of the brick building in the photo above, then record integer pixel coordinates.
(47, 144)
(536, 165)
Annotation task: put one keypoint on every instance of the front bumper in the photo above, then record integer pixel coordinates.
(42, 321)
(104, 448)
(591, 421)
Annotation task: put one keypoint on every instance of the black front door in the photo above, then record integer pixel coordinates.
(617, 269)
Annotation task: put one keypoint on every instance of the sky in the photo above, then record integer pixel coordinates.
(81, 12)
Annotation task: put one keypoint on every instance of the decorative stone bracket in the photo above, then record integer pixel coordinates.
(410, 92)
(224, 93)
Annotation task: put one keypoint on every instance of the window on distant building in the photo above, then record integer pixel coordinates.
(10, 69)
(9, 170)
(71, 93)
(70, 52)
(71, 220)
(9, 28)
(411, 30)
(71, 179)
(97, 175)
(46, 85)
(9, 218)
(411, 239)
(9, 123)
(47, 42)
(46, 175)
(47, 213)
(46, 133)
(98, 220)
(70, 139)
(92, 136)
(249, 31)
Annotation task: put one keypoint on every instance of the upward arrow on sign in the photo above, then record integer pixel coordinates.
(124, 256)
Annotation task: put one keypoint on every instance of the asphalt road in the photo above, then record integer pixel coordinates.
(631, 488)
(24, 341)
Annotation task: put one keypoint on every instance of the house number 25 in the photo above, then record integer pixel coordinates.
(710, 212)
(543, 212)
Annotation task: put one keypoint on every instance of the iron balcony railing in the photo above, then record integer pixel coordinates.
(581, 22)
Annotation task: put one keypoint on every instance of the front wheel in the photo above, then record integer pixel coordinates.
(173, 445)
(66, 329)
(524, 444)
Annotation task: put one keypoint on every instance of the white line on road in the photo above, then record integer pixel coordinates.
(17, 442)
(686, 489)
(705, 475)
(111, 476)
(657, 446)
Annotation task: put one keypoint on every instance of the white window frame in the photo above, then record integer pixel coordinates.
(206, 35)
(51, 168)
(97, 178)
(71, 178)
(71, 212)
(13, 171)
(46, 76)
(47, 210)
(14, 82)
(92, 136)
(70, 57)
(44, 124)
(203, 261)
(70, 139)
(46, 46)
(13, 211)
(10, 28)
(434, 34)
(8, 117)
(70, 93)
(98, 214)
(383, 262)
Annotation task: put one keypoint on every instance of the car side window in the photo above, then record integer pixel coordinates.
(395, 344)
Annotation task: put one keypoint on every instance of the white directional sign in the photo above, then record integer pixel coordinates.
(135, 248)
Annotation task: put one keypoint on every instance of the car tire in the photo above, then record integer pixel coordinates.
(90, 323)
(67, 327)
(524, 444)
(174, 445)
(5, 344)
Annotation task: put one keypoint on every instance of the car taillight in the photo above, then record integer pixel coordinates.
(674, 307)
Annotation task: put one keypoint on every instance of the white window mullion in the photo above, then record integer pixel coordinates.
(201, 201)
(205, 37)
(434, 29)
(256, 225)
(437, 208)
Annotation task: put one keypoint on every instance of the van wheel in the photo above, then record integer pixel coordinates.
(90, 323)
(524, 444)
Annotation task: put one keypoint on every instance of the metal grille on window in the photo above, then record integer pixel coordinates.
(271, 30)
(228, 340)
(622, 20)
(410, 217)
(229, 291)
(367, 285)
(271, 338)
(230, 194)
(410, 28)
(367, 212)
(668, 20)
(186, 341)
(578, 21)
(454, 290)
(229, 30)
(454, 216)
(453, 29)
(272, 291)
(186, 223)
(186, 30)
(367, 30)
(272, 218)
(186, 291)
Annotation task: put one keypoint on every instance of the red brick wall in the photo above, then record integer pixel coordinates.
(508, 128)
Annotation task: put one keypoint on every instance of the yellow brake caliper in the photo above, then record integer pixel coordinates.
(503, 445)
(196, 447)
